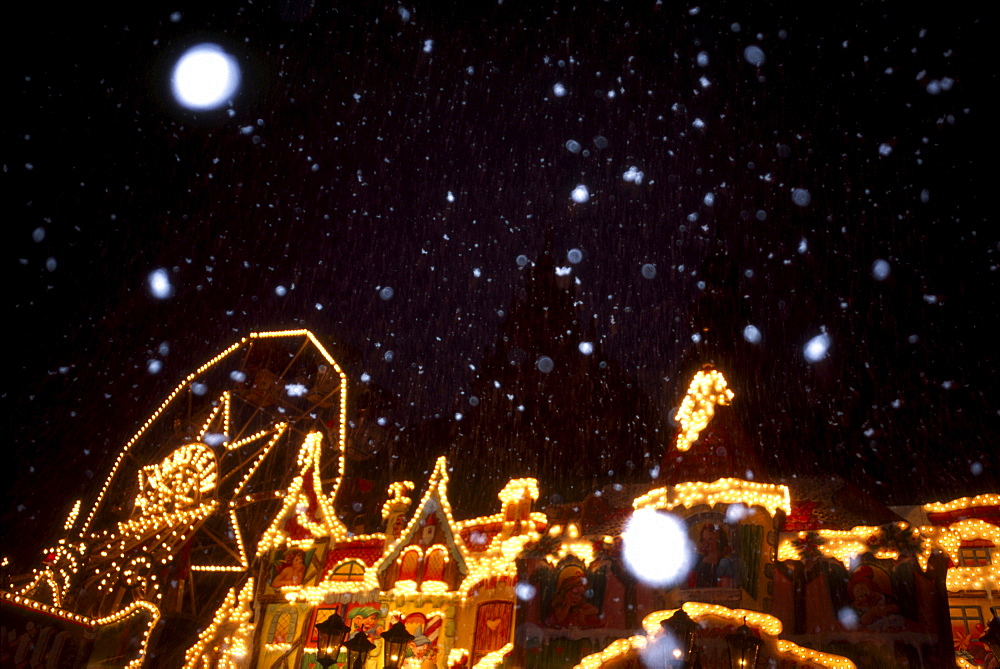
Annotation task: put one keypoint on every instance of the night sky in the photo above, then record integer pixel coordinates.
(387, 174)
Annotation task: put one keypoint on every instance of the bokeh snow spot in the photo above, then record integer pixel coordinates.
(205, 77)
(848, 618)
(880, 269)
(817, 347)
(296, 390)
(801, 197)
(751, 334)
(754, 55)
(657, 549)
(634, 175)
(159, 284)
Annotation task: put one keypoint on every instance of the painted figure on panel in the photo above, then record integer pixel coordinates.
(429, 531)
(414, 623)
(422, 652)
(364, 618)
(713, 566)
(872, 600)
(569, 606)
(290, 569)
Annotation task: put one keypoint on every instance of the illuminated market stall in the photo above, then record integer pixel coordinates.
(216, 541)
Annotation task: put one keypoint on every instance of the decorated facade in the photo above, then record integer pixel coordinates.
(223, 537)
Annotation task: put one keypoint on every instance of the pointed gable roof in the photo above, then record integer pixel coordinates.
(433, 503)
(307, 512)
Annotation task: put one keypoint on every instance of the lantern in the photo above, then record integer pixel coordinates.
(744, 647)
(680, 627)
(358, 648)
(395, 639)
(331, 634)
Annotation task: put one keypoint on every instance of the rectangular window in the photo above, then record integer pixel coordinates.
(974, 556)
(967, 617)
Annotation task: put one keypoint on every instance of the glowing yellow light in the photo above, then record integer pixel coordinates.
(708, 388)
(437, 488)
(398, 499)
(297, 501)
(71, 518)
(491, 660)
(963, 503)
(723, 491)
(457, 656)
(768, 625)
(616, 649)
(232, 620)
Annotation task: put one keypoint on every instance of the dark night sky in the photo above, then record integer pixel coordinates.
(328, 179)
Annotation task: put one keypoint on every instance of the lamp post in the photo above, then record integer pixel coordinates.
(395, 639)
(744, 647)
(330, 639)
(358, 647)
(681, 628)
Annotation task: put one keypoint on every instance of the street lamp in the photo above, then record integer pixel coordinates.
(395, 639)
(744, 647)
(358, 647)
(681, 628)
(330, 638)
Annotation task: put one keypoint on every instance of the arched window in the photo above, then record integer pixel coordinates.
(434, 563)
(409, 565)
(283, 625)
(349, 570)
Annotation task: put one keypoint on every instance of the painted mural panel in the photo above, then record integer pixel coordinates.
(365, 617)
(292, 567)
(566, 620)
(30, 639)
(879, 613)
(572, 602)
(727, 559)
(426, 627)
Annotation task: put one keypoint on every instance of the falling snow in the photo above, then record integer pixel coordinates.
(533, 219)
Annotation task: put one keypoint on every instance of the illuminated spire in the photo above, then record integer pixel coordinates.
(708, 388)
